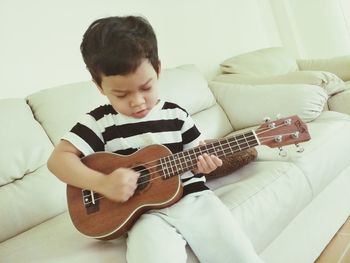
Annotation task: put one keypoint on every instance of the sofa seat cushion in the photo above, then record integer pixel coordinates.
(325, 155)
(273, 192)
(57, 241)
(29, 201)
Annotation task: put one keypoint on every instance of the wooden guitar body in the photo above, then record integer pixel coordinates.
(97, 217)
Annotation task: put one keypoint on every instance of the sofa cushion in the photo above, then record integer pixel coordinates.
(337, 65)
(30, 201)
(340, 102)
(29, 193)
(248, 105)
(57, 241)
(327, 80)
(24, 145)
(184, 83)
(263, 62)
(264, 197)
(58, 109)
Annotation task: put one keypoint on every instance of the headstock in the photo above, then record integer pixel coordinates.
(285, 131)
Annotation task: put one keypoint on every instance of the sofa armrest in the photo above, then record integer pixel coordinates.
(340, 102)
(337, 65)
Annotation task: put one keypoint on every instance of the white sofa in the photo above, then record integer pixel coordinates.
(290, 207)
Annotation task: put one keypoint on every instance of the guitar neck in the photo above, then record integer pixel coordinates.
(184, 161)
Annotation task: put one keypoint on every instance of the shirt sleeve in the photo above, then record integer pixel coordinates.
(86, 136)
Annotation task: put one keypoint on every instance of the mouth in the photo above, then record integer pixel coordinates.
(140, 114)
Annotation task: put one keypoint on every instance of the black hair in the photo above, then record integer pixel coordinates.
(117, 46)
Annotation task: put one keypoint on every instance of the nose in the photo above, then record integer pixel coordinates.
(137, 99)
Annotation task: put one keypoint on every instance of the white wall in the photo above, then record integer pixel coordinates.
(40, 39)
(314, 28)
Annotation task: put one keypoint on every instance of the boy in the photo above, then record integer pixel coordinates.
(122, 56)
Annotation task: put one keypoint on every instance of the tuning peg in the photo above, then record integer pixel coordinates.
(267, 119)
(300, 149)
(282, 152)
(278, 138)
(279, 116)
(295, 135)
(287, 122)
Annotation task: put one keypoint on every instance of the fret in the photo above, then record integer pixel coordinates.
(216, 146)
(227, 148)
(170, 170)
(242, 144)
(189, 157)
(246, 141)
(229, 145)
(239, 147)
(211, 150)
(173, 165)
(182, 160)
(165, 169)
(178, 163)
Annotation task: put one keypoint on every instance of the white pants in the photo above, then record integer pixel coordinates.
(199, 219)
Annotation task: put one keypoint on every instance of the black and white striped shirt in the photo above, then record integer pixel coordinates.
(104, 129)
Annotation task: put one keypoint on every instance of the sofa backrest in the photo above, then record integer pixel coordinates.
(58, 109)
(29, 194)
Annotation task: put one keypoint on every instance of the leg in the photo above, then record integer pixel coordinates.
(212, 232)
(153, 240)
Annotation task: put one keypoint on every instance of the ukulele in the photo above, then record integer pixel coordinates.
(159, 183)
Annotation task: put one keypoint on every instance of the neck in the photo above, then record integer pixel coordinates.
(184, 161)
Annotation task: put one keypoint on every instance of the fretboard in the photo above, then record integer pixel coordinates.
(184, 161)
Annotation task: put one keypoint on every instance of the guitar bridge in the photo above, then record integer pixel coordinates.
(90, 201)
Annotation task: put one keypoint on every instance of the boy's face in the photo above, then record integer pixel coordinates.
(134, 94)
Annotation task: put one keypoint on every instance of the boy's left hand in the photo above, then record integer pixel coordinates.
(207, 163)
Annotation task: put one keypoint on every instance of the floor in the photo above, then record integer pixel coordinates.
(338, 250)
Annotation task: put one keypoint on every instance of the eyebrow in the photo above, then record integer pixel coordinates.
(141, 86)
(145, 84)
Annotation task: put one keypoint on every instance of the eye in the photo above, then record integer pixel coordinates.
(146, 88)
(120, 95)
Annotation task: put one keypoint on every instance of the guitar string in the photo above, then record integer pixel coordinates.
(257, 132)
(220, 140)
(158, 177)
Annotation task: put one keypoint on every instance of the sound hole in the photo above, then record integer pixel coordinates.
(144, 177)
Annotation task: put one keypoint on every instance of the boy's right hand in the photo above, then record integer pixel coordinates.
(120, 185)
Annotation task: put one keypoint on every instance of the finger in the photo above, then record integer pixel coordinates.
(204, 164)
(209, 162)
(200, 168)
(216, 160)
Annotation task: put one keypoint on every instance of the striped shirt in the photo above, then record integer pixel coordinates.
(104, 129)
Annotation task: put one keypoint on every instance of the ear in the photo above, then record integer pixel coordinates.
(98, 87)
